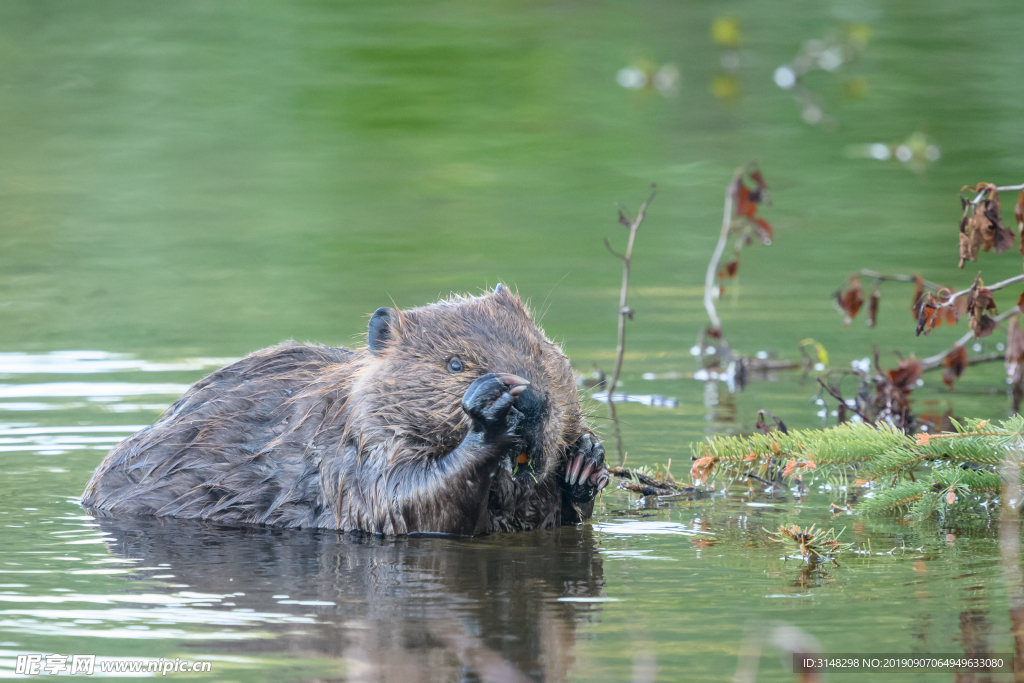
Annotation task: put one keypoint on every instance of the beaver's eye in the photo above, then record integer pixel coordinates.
(455, 365)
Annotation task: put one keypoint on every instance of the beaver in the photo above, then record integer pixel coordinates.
(458, 417)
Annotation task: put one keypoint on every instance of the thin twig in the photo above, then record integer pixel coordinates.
(723, 238)
(839, 397)
(993, 357)
(608, 246)
(616, 431)
(999, 285)
(1001, 188)
(932, 362)
(623, 311)
(886, 277)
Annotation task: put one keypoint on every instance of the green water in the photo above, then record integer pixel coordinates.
(182, 183)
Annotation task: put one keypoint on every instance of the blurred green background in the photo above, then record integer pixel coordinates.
(216, 177)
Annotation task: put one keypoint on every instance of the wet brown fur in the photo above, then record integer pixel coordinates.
(299, 435)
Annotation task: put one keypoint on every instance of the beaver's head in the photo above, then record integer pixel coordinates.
(421, 361)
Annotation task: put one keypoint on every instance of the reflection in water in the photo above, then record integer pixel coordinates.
(720, 409)
(505, 607)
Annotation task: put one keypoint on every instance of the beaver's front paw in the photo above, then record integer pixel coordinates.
(489, 402)
(585, 470)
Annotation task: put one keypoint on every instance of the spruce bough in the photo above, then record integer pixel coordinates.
(918, 475)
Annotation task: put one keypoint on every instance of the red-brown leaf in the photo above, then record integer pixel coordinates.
(954, 362)
(745, 206)
(931, 312)
(702, 468)
(1014, 349)
(1018, 213)
(763, 229)
(905, 376)
(850, 301)
(918, 300)
(876, 296)
(979, 303)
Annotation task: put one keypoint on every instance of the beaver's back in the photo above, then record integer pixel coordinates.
(216, 453)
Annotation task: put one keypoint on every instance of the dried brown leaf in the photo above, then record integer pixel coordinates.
(955, 362)
(905, 376)
(983, 326)
(745, 205)
(747, 201)
(1015, 350)
(918, 300)
(1018, 213)
(981, 226)
(876, 296)
(932, 313)
(979, 303)
(850, 301)
(702, 468)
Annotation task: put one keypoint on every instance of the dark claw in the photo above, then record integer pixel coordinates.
(585, 471)
(585, 474)
(573, 471)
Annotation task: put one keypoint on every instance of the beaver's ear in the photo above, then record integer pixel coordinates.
(503, 292)
(379, 330)
(506, 296)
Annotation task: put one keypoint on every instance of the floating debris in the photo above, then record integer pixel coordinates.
(646, 482)
(653, 400)
(813, 544)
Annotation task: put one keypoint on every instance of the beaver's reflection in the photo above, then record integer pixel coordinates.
(417, 608)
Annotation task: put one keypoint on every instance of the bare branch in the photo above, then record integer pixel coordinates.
(993, 357)
(839, 397)
(614, 253)
(624, 310)
(709, 278)
(885, 277)
(999, 285)
(1001, 188)
(932, 362)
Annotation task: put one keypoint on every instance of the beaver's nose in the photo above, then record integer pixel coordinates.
(517, 383)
